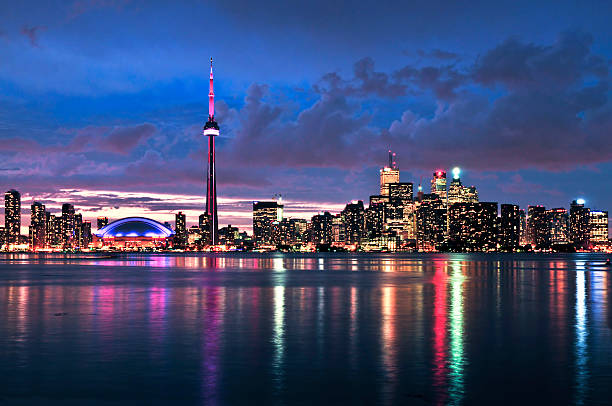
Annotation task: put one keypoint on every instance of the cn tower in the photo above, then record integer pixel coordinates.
(211, 130)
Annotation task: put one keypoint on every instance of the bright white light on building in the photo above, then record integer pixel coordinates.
(580, 201)
(456, 172)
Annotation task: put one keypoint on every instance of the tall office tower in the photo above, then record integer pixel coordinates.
(523, 235)
(438, 185)
(54, 230)
(78, 230)
(599, 227)
(537, 227)
(102, 222)
(389, 174)
(431, 223)
(400, 211)
(472, 226)
(457, 193)
(204, 225)
(455, 189)
(400, 196)
(375, 217)
(510, 227)
(38, 226)
(211, 130)
(354, 222)
(264, 216)
(68, 226)
(338, 230)
(180, 230)
(321, 231)
(580, 220)
(2, 236)
(283, 232)
(12, 217)
(558, 226)
(85, 234)
(300, 229)
(420, 193)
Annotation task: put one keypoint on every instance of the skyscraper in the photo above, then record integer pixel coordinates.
(599, 227)
(457, 193)
(12, 216)
(472, 226)
(180, 230)
(400, 195)
(455, 189)
(68, 226)
(211, 130)
(85, 234)
(580, 225)
(354, 222)
(38, 226)
(54, 230)
(510, 227)
(322, 228)
(375, 216)
(431, 223)
(389, 174)
(204, 226)
(78, 230)
(558, 226)
(265, 214)
(537, 227)
(438, 185)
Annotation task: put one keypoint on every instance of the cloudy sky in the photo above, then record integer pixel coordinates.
(102, 101)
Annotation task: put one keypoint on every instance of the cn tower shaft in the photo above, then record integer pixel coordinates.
(211, 130)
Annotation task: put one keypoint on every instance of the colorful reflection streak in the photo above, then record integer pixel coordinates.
(212, 330)
(439, 332)
(456, 360)
(581, 350)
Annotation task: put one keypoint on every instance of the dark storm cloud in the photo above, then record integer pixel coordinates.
(515, 64)
(443, 81)
(330, 133)
(552, 113)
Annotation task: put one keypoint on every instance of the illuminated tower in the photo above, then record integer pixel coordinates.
(12, 217)
(438, 185)
(389, 174)
(211, 130)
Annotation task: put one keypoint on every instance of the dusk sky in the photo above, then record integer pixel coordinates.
(102, 102)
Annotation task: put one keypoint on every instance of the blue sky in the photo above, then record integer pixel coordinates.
(102, 101)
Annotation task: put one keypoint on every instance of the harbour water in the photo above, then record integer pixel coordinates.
(305, 329)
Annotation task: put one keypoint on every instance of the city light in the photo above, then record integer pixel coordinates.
(456, 172)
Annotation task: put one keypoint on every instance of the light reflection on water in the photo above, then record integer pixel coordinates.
(456, 334)
(328, 328)
(581, 335)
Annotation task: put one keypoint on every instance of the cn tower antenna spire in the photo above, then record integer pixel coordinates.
(211, 94)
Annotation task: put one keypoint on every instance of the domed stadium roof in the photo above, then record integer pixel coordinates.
(135, 227)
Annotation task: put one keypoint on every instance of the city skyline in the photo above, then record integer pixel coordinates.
(525, 111)
(448, 217)
(190, 206)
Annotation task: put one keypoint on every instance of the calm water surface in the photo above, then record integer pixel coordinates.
(306, 329)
